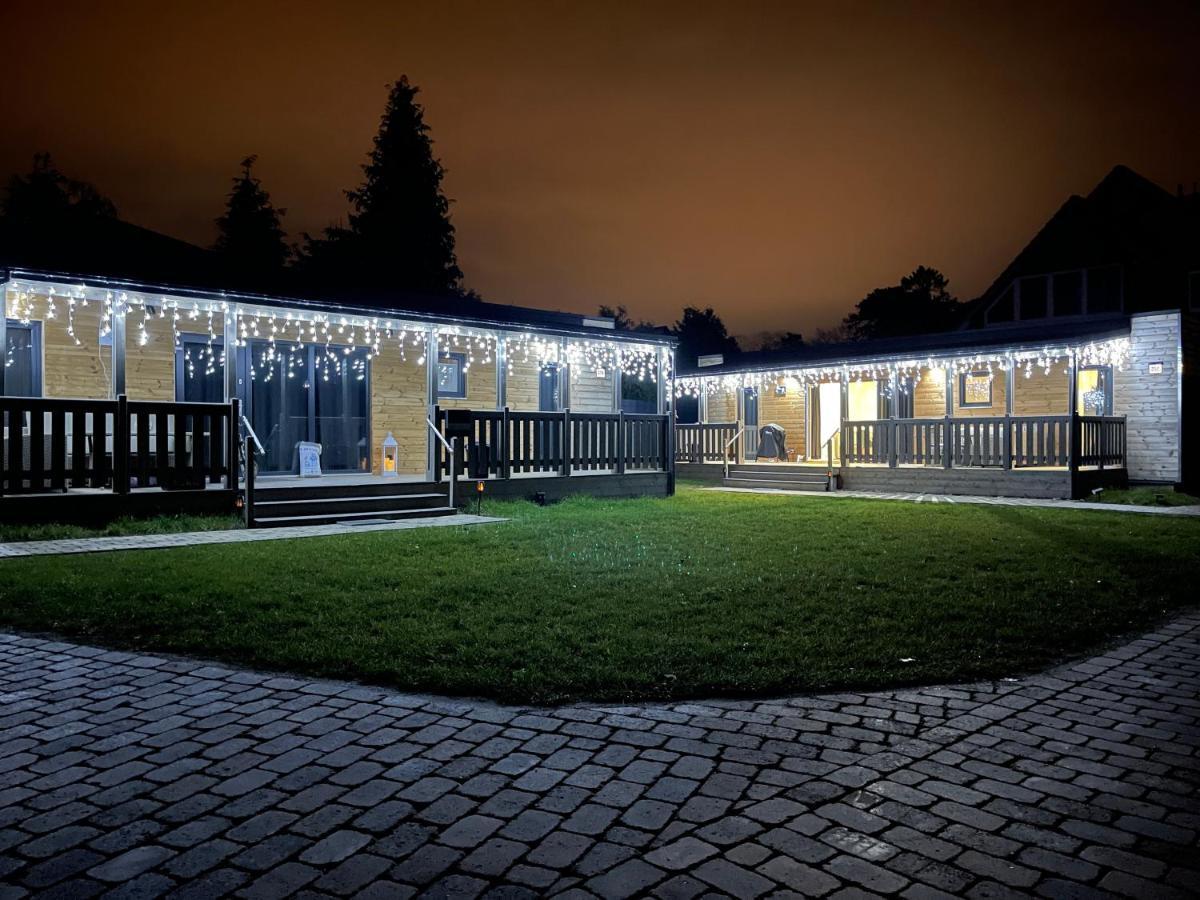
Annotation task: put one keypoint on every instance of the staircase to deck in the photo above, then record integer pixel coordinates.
(325, 504)
(777, 478)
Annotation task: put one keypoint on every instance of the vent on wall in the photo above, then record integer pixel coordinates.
(712, 359)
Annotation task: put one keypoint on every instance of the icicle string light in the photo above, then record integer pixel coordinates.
(908, 373)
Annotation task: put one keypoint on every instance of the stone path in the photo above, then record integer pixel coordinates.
(134, 776)
(227, 536)
(1183, 511)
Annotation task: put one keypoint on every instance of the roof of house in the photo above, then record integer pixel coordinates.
(1126, 219)
(447, 310)
(1026, 336)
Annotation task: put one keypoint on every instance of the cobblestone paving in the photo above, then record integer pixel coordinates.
(133, 776)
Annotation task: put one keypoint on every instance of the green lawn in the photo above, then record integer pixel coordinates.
(128, 525)
(704, 594)
(1145, 496)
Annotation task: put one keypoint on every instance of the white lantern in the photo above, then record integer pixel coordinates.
(391, 454)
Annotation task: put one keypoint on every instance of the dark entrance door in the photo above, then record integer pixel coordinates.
(750, 421)
(308, 393)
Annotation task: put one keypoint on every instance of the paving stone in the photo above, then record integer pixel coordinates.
(136, 776)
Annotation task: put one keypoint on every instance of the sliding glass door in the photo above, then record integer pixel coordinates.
(308, 393)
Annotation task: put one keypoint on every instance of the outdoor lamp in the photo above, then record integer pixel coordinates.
(391, 452)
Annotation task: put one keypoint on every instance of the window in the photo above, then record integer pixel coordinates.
(452, 375)
(1104, 289)
(975, 389)
(550, 388)
(199, 373)
(23, 359)
(1033, 297)
(1094, 391)
(1068, 293)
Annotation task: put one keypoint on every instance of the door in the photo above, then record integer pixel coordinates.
(826, 416)
(310, 393)
(750, 421)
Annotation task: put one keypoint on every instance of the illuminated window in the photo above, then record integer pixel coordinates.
(452, 375)
(975, 389)
(1093, 391)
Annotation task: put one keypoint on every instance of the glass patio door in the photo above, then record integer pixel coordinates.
(750, 421)
(308, 393)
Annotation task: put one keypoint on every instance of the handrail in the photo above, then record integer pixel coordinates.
(828, 447)
(250, 431)
(449, 449)
(725, 452)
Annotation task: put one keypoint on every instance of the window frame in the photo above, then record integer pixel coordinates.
(962, 390)
(35, 339)
(1107, 380)
(187, 340)
(460, 360)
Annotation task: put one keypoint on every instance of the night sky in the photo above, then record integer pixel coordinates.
(774, 161)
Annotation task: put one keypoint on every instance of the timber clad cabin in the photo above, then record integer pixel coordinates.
(132, 397)
(1075, 370)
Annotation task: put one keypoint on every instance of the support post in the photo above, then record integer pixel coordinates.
(948, 436)
(1073, 430)
(669, 356)
(120, 447)
(1010, 383)
(229, 342)
(118, 348)
(564, 375)
(3, 334)
(248, 502)
(617, 392)
(505, 453)
(431, 399)
(893, 402)
(231, 445)
(501, 371)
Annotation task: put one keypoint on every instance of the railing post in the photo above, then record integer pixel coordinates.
(120, 450)
(566, 443)
(621, 443)
(893, 442)
(505, 462)
(948, 443)
(231, 445)
(1006, 442)
(248, 500)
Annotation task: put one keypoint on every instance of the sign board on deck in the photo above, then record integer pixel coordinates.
(310, 459)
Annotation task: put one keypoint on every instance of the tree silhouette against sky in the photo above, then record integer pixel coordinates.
(250, 234)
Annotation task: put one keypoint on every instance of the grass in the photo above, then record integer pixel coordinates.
(1145, 496)
(168, 524)
(701, 595)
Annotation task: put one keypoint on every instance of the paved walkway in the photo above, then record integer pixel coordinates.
(227, 536)
(966, 498)
(134, 776)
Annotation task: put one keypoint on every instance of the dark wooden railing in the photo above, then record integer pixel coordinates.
(987, 442)
(52, 444)
(705, 442)
(501, 443)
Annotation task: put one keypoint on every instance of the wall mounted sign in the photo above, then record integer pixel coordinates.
(1155, 368)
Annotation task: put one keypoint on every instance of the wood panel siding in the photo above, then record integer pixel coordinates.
(1150, 402)
(591, 391)
(399, 393)
(722, 405)
(786, 411)
(523, 385)
(481, 387)
(150, 367)
(1041, 394)
(70, 369)
(929, 395)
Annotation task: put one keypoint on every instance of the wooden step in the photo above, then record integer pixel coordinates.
(334, 518)
(817, 484)
(264, 491)
(339, 505)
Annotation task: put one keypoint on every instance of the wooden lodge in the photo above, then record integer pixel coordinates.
(125, 397)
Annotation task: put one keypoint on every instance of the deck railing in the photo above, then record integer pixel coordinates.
(501, 443)
(704, 442)
(52, 444)
(987, 442)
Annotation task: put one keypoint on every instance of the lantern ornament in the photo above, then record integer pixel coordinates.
(391, 454)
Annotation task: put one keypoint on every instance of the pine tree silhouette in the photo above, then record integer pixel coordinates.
(399, 236)
(250, 235)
